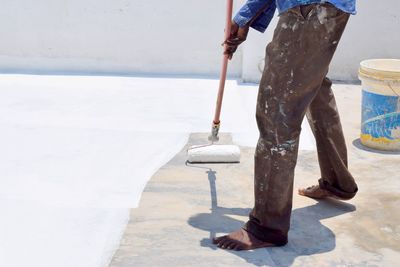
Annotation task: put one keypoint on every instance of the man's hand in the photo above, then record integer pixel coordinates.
(238, 35)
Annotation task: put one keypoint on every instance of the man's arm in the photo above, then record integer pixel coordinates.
(256, 14)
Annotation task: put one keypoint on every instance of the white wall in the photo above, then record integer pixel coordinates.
(373, 33)
(163, 37)
(117, 36)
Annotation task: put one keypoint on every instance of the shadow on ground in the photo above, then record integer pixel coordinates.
(308, 235)
(357, 143)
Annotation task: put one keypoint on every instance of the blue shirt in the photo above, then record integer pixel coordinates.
(253, 7)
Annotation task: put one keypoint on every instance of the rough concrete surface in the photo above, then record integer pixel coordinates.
(183, 207)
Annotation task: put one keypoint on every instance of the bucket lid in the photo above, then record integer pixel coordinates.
(381, 69)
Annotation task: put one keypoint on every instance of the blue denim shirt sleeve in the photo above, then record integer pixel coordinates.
(251, 8)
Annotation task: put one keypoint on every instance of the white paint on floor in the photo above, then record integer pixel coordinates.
(76, 153)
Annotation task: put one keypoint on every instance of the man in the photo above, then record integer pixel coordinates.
(293, 85)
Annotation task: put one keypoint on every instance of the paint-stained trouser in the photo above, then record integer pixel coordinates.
(293, 84)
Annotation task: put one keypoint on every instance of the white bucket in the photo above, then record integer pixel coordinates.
(380, 104)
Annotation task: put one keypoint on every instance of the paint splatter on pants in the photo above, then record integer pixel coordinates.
(293, 85)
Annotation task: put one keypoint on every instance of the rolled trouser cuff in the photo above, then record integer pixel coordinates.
(265, 234)
(323, 184)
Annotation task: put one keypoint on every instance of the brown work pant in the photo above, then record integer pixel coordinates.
(293, 84)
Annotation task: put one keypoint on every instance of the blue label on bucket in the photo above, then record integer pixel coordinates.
(380, 115)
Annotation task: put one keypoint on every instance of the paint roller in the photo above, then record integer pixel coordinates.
(212, 152)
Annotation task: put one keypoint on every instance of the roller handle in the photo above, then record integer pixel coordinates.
(224, 68)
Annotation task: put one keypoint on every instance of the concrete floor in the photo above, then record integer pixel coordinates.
(183, 207)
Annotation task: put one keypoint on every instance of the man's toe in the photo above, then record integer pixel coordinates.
(221, 242)
(216, 240)
(225, 243)
(230, 245)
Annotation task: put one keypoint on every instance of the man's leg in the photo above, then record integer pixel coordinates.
(297, 62)
(324, 120)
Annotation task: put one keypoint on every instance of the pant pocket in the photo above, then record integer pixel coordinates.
(295, 11)
(328, 11)
(323, 11)
(305, 10)
(302, 11)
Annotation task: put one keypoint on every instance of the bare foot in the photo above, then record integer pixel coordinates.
(318, 193)
(240, 240)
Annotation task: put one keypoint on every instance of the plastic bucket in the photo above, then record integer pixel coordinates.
(380, 127)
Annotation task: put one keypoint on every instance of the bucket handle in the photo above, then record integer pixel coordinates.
(389, 83)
